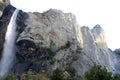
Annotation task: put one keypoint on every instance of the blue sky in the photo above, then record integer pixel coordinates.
(88, 13)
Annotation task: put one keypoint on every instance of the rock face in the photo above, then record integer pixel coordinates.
(54, 39)
(50, 40)
(52, 25)
(95, 50)
(3, 4)
(116, 59)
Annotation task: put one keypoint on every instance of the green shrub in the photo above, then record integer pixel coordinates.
(116, 77)
(42, 76)
(63, 75)
(11, 77)
(57, 75)
(97, 72)
(29, 75)
(71, 71)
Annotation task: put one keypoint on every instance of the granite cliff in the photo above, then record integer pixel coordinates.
(54, 39)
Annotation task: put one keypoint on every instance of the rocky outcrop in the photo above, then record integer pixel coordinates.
(52, 25)
(54, 39)
(3, 4)
(50, 40)
(95, 50)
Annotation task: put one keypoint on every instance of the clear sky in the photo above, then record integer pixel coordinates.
(88, 13)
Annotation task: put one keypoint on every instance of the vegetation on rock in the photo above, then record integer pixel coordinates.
(63, 75)
(56, 75)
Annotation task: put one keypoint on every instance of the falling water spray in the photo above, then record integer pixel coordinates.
(8, 50)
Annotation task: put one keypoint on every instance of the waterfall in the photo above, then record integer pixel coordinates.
(8, 50)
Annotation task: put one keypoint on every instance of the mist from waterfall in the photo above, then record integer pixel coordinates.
(9, 45)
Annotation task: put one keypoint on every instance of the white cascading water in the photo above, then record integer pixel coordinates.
(8, 50)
